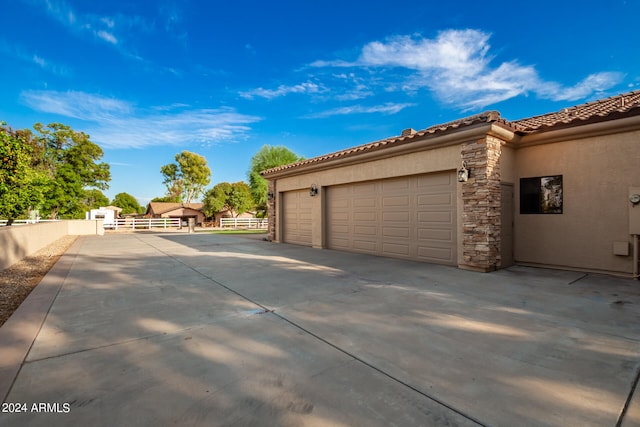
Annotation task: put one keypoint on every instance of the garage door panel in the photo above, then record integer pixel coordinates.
(342, 229)
(435, 234)
(396, 232)
(305, 216)
(394, 184)
(368, 202)
(393, 249)
(341, 216)
(435, 254)
(365, 231)
(364, 216)
(409, 217)
(402, 201)
(364, 245)
(395, 216)
(439, 217)
(341, 203)
(428, 201)
(341, 243)
(297, 217)
(367, 189)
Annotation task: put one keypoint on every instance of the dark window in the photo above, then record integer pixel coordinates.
(541, 195)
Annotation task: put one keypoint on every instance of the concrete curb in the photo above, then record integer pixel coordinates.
(21, 329)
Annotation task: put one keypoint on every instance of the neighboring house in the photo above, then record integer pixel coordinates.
(107, 213)
(183, 211)
(117, 211)
(553, 190)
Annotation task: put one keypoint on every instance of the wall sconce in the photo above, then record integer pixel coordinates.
(313, 191)
(270, 195)
(463, 173)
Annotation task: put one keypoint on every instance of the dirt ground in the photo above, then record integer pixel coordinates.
(17, 281)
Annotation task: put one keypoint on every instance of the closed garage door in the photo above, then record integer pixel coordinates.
(409, 217)
(296, 217)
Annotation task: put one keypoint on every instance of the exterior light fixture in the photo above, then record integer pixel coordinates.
(270, 195)
(463, 173)
(313, 191)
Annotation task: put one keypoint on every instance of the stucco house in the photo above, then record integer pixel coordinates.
(176, 210)
(480, 193)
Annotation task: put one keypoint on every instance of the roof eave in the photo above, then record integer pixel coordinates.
(579, 130)
(420, 143)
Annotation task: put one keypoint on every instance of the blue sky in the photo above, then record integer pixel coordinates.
(148, 79)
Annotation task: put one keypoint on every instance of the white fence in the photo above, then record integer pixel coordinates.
(244, 222)
(143, 223)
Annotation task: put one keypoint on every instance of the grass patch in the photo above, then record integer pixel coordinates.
(240, 231)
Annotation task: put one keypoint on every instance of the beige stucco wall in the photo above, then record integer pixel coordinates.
(19, 241)
(597, 173)
(85, 227)
(508, 172)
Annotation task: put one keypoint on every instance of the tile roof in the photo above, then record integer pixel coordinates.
(163, 207)
(406, 137)
(605, 109)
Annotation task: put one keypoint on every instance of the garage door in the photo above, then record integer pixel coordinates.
(409, 217)
(296, 226)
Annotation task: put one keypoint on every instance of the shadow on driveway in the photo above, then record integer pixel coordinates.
(206, 329)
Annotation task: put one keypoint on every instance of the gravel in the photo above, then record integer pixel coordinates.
(18, 280)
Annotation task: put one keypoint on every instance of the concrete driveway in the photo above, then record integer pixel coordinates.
(213, 330)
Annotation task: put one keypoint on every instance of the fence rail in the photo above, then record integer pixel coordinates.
(244, 223)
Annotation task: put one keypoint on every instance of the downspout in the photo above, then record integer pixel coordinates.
(635, 257)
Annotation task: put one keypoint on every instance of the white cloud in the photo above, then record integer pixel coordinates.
(61, 11)
(594, 83)
(388, 108)
(458, 68)
(119, 124)
(108, 29)
(110, 23)
(40, 61)
(19, 52)
(463, 52)
(106, 36)
(282, 90)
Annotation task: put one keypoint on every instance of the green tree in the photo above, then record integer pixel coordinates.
(187, 178)
(72, 160)
(235, 198)
(22, 187)
(128, 203)
(94, 198)
(268, 157)
(166, 199)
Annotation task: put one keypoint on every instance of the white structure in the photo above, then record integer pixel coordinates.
(108, 215)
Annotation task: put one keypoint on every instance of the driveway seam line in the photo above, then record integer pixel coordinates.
(381, 371)
(627, 402)
(334, 346)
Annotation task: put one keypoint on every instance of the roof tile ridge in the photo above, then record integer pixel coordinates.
(486, 117)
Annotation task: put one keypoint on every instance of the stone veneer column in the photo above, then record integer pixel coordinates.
(481, 215)
(271, 211)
